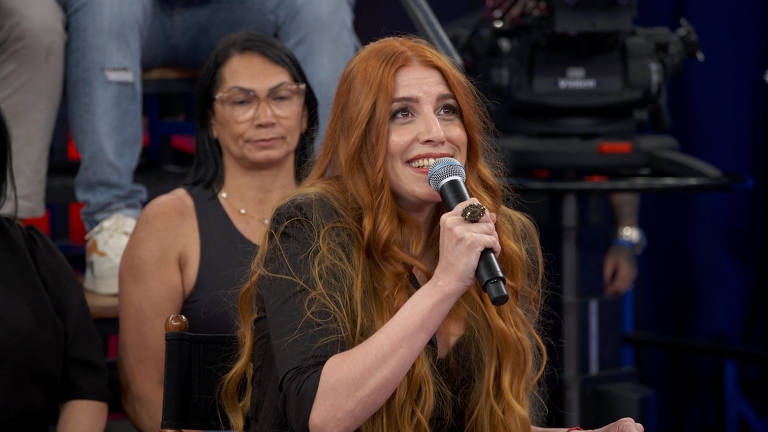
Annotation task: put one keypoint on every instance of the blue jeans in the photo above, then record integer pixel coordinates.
(110, 41)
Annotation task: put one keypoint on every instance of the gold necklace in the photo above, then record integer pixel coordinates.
(241, 210)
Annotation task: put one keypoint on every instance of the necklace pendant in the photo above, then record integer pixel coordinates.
(242, 211)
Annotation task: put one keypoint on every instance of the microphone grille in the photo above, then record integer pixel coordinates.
(443, 169)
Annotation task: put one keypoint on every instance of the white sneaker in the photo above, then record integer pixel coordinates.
(106, 243)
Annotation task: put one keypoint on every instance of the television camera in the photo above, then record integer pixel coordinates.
(576, 86)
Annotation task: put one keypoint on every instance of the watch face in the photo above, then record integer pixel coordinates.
(632, 235)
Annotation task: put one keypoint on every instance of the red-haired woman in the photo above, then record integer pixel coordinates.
(363, 310)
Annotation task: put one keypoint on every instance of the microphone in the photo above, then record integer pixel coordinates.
(447, 176)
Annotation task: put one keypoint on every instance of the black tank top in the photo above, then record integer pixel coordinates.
(225, 260)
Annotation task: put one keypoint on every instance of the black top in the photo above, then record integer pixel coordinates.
(290, 349)
(225, 260)
(49, 350)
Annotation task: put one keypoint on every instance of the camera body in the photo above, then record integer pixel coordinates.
(580, 69)
(576, 73)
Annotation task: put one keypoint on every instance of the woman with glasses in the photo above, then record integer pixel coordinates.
(192, 247)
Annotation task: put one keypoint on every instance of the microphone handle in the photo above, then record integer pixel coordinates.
(453, 191)
(488, 272)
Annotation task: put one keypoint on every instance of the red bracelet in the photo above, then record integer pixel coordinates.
(574, 429)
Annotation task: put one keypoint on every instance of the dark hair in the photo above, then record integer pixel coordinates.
(207, 169)
(6, 169)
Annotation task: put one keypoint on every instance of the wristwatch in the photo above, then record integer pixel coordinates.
(632, 237)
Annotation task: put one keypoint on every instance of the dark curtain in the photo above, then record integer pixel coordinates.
(703, 275)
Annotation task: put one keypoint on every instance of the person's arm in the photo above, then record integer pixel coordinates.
(353, 384)
(620, 263)
(82, 416)
(623, 425)
(150, 290)
(83, 388)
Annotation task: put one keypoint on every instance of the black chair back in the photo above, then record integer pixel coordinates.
(194, 366)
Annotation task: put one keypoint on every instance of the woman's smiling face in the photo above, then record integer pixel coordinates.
(425, 124)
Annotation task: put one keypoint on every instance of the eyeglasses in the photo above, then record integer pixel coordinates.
(242, 104)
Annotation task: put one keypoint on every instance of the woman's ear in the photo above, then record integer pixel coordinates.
(304, 120)
(214, 133)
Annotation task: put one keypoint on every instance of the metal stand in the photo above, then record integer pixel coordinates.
(573, 377)
(571, 318)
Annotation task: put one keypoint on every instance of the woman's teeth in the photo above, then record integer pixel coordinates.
(422, 163)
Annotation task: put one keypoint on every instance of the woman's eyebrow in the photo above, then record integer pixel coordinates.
(280, 84)
(412, 99)
(236, 87)
(404, 99)
(276, 86)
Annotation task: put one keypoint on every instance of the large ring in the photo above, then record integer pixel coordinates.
(473, 212)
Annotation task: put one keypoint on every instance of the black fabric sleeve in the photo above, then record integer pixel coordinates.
(301, 342)
(84, 372)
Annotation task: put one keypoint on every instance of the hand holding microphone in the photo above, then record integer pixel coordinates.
(447, 176)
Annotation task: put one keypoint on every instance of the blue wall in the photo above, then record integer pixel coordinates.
(703, 274)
